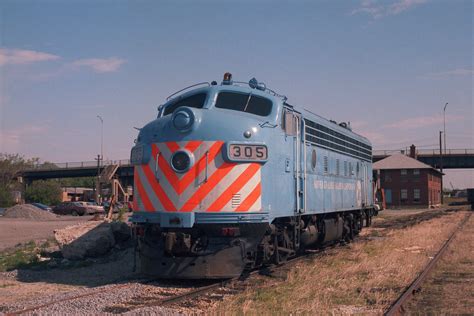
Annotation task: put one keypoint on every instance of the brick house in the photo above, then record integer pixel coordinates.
(408, 182)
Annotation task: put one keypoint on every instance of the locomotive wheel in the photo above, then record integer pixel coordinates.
(348, 230)
(282, 250)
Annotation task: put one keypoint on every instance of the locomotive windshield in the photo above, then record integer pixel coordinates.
(194, 101)
(244, 102)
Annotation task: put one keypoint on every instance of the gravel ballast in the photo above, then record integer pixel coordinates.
(28, 211)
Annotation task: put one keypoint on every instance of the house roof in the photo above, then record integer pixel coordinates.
(400, 161)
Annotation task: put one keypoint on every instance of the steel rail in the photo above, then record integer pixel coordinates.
(93, 292)
(159, 302)
(223, 283)
(186, 295)
(311, 253)
(397, 307)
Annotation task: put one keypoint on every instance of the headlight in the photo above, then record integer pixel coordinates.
(183, 119)
(181, 161)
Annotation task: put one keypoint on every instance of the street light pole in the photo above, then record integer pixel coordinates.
(441, 165)
(444, 126)
(101, 137)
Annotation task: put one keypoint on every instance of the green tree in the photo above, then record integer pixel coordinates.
(47, 192)
(81, 182)
(10, 167)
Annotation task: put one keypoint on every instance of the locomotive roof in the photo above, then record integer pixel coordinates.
(231, 87)
(267, 93)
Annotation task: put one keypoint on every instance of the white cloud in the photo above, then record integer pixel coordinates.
(450, 73)
(377, 11)
(423, 121)
(11, 56)
(11, 140)
(100, 65)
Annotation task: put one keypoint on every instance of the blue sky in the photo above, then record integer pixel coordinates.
(387, 66)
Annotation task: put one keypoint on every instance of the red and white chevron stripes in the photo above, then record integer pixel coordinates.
(211, 184)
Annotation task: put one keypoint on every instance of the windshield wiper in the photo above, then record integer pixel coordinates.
(248, 100)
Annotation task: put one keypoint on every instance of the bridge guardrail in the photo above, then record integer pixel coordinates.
(77, 164)
(424, 152)
(126, 162)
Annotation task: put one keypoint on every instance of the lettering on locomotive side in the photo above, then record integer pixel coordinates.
(331, 185)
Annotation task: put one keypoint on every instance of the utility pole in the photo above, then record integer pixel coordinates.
(444, 126)
(101, 137)
(441, 163)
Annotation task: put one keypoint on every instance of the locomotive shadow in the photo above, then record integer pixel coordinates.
(115, 266)
(101, 266)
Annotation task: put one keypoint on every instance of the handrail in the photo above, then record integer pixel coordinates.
(191, 86)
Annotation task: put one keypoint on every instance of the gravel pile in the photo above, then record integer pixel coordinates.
(28, 211)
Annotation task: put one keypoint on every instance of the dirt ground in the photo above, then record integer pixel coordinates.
(362, 277)
(14, 231)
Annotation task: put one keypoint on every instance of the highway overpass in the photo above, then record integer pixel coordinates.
(453, 159)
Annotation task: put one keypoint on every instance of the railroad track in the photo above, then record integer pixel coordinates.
(186, 295)
(83, 295)
(398, 306)
(228, 283)
(174, 299)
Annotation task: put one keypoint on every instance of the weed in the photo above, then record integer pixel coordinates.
(121, 214)
(23, 256)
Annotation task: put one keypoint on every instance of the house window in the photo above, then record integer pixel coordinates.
(404, 194)
(326, 165)
(416, 172)
(337, 167)
(404, 172)
(416, 195)
(387, 177)
(345, 168)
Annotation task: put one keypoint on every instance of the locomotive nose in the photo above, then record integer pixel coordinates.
(183, 119)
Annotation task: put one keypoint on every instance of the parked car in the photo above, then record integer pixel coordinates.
(73, 208)
(2, 210)
(42, 206)
(93, 205)
(118, 206)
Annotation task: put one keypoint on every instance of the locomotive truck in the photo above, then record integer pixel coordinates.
(231, 177)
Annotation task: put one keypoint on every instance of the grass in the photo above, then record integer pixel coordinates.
(121, 213)
(24, 256)
(364, 277)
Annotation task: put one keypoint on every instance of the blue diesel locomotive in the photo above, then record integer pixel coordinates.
(231, 176)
